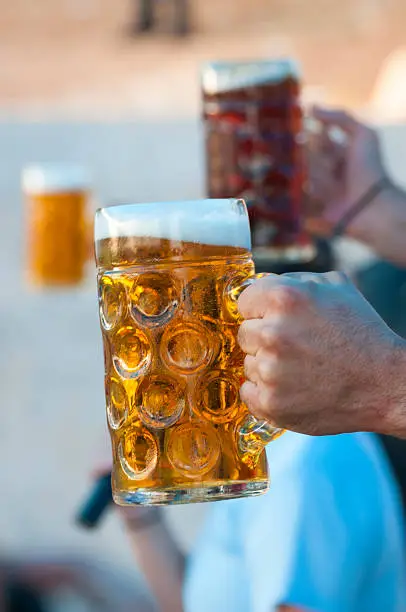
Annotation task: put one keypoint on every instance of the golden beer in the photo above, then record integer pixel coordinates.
(167, 275)
(58, 245)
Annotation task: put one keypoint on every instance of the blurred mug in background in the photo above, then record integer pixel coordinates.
(56, 198)
(253, 121)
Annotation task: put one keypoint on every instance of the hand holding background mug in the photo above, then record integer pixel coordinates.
(344, 161)
(349, 188)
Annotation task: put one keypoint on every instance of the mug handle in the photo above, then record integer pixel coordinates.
(252, 434)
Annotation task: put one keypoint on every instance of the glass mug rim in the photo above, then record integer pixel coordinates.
(171, 203)
(53, 178)
(216, 222)
(205, 210)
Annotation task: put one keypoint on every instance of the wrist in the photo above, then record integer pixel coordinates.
(390, 416)
(383, 222)
(370, 222)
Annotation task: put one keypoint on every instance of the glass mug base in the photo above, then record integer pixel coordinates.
(201, 492)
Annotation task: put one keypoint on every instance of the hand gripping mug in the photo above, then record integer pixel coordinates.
(169, 276)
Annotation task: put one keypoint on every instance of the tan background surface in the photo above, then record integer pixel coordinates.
(71, 56)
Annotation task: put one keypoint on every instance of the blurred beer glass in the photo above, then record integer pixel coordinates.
(169, 275)
(57, 224)
(254, 136)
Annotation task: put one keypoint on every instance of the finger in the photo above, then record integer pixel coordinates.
(334, 165)
(258, 399)
(274, 335)
(250, 369)
(324, 175)
(321, 189)
(326, 160)
(318, 166)
(250, 336)
(249, 394)
(316, 195)
(331, 143)
(337, 117)
(267, 366)
(270, 295)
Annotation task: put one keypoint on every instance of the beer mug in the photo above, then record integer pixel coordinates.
(56, 197)
(252, 118)
(169, 276)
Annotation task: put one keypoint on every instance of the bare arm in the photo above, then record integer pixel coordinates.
(384, 226)
(159, 559)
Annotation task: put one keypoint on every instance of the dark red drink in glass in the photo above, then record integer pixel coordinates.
(254, 131)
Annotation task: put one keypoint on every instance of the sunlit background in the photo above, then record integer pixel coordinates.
(75, 85)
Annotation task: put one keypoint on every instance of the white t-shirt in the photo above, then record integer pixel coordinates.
(328, 536)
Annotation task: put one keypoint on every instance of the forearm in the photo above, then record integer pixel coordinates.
(161, 562)
(383, 227)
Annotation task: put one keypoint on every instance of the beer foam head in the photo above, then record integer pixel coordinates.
(216, 222)
(228, 76)
(54, 178)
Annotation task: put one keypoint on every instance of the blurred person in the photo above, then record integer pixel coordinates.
(145, 17)
(327, 537)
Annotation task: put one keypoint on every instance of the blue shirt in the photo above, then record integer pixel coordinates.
(328, 536)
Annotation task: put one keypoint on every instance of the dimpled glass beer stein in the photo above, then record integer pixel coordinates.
(56, 207)
(169, 276)
(254, 132)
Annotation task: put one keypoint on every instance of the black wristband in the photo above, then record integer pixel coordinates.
(360, 205)
(137, 523)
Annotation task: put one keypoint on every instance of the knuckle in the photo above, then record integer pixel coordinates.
(269, 335)
(267, 368)
(337, 278)
(276, 340)
(249, 396)
(245, 394)
(267, 401)
(249, 367)
(247, 299)
(286, 298)
(249, 335)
